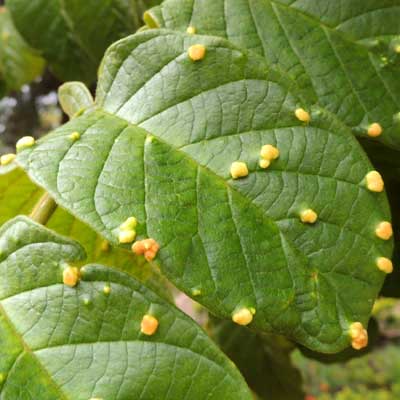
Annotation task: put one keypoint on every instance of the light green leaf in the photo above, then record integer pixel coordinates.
(59, 342)
(73, 36)
(74, 98)
(18, 195)
(263, 360)
(159, 146)
(19, 64)
(356, 84)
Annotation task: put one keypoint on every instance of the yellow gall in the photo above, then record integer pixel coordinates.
(243, 316)
(196, 292)
(129, 224)
(239, 170)
(269, 152)
(374, 181)
(24, 142)
(149, 325)
(107, 289)
(264, 163)
(127, 236)
(384, 230)
(71, 276)
(197, 52)
(384, 264)
(105, 246)
(308, 216)
(302, 115)
(146, 247)
(75, 136)
(191, 30)
(375, 130)
(359, 336)
(6, 159)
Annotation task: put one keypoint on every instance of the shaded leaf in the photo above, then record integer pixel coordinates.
(264, 362)
(19, 64)
(300, 37)
(159, 145)
(72, 36)
(59, 342)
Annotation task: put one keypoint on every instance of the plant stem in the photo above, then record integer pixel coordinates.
(43, 209)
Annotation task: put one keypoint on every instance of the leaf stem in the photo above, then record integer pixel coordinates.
(43, 209)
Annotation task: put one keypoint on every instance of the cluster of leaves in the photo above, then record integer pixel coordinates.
(157, 143)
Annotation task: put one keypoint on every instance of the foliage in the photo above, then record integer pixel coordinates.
(229, 142)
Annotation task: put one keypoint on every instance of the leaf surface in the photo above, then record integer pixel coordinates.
(332, 69)
(159, 145)
(73, 36)
(19, 64)
(59, 342)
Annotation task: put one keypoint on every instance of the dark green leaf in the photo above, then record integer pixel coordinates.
(301, 37)
(73, 36)
(61, 342)
(19, 64)
(263, 360)
(159, 145)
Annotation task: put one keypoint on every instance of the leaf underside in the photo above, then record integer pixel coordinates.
(315, 42)
(80, 343)
(159, 144)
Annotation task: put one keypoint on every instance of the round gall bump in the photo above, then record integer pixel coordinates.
(384, 264)
(107, 289)
(375, 130)
(197, 52)
(24, 142)
(6, 159)
(308, 216)
(242, 317)
(196, 292)
(269, 152)
(239, 170)
(374, 181)
(149, 325)
(191, 30)
(359, 336)
(264, 163)
(384, 230)
(302, 115)
(129, 224)
(75, 136)
(127, 236)
(71, 276)
(147, 247)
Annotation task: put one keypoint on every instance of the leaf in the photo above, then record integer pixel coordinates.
(263, 361)
(59, 342)
(74, 98)
(332, 69)
(18, 195)
(19, 64)
(347, 354)
(159, 145)
(73, 37)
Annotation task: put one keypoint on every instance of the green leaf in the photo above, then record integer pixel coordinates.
(19, 64)
(356, 84)
(74, 98)
(73, 37)
(59, 342)
(159, 146)
(18, 195)
(263, 360)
